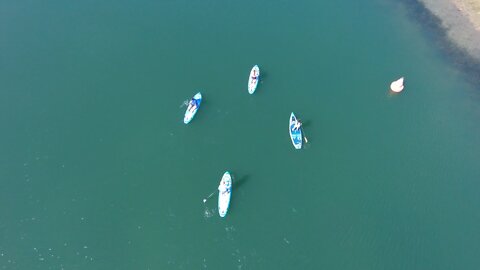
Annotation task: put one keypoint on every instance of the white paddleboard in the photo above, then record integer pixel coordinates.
(224, 194)
(253, 79)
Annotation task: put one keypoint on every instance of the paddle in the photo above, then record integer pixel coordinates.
(303, 131)
(205, 200)
(211, 194)
(185, 103)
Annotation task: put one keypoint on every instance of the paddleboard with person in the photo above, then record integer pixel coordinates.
(253, 79)
(192, 108)
(294, 128)
(224, 194)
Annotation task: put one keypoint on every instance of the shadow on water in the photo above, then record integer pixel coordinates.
(433, 30)
(306, 140)
(306, 123)
(239, 182)
(263, 76)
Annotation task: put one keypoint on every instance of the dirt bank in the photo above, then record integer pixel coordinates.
(461, 21)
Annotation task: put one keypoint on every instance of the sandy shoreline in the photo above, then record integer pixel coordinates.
(461, 21)
(472, 9)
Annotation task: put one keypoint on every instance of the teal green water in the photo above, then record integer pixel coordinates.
(99, 172)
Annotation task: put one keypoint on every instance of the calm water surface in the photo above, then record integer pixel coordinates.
(98, 170)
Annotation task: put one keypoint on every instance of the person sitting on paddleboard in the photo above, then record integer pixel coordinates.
(254, 77)
(297, 125)
(193, 105)
(223, 188)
